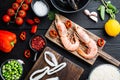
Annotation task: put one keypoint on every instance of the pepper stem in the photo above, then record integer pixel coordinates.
(12, 43)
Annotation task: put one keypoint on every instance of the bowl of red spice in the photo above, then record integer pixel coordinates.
(37, 43)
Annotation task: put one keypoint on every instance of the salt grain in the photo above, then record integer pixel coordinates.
(40, 8)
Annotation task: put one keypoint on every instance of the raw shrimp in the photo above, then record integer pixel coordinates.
(63, 33)
(91, 51)
(62, 30)
(82, 34)
(90, 43)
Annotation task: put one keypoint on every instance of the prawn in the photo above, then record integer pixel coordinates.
(63, 33)
(89, 42)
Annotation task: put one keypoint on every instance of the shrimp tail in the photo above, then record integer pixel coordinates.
(85, 55)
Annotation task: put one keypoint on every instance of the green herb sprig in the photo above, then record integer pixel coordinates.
(51, 14)
(109, 8)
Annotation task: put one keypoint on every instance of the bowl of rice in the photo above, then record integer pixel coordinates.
(105, 72)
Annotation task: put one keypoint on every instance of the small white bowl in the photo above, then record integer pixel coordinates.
(33, 5)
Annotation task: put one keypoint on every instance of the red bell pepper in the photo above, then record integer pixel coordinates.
(7, 41)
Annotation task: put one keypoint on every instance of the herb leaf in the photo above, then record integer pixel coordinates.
(51, 15)
(109, 8)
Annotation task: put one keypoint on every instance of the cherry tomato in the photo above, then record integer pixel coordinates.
(25, 7)
(100, 42)
(27, 53)
(30, 21)
(23, 35)
(68, 24)
(28, 1)
(19, 1)
(11, 12)
(6, 18)
(15, 6)
(36, 20)
(19, 21)
(22, 13)
(53, 33)
(34, 29)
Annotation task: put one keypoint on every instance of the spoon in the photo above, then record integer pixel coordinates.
(37, 51)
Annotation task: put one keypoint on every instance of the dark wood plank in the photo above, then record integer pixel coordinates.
(70, 72)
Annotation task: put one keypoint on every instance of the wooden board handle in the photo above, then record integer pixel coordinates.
(109, 58)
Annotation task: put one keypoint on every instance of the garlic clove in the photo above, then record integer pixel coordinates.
(94, 18)
(87, 12)
(93, 14)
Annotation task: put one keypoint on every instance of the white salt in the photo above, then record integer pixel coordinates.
(40, 8)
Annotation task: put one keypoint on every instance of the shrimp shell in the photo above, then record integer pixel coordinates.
(90, 43)
(91, 51)
(63, 33)
(82, 34)
(68, 44)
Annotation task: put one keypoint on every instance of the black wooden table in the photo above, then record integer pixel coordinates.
(112, 46)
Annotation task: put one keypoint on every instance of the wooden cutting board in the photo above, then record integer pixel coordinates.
(57, 40)
(91, 35)
(71, 72)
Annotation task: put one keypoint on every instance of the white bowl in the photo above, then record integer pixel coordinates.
(36, 9)
(105, 72)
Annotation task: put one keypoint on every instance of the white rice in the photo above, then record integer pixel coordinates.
(105, 72)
